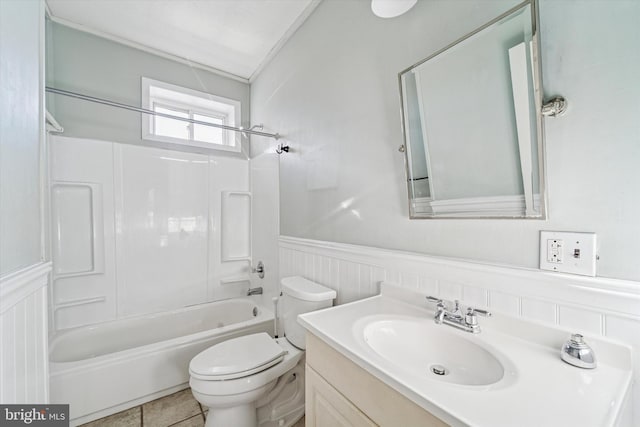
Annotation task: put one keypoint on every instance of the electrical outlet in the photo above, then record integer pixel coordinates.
(555, 251)
(568, 252)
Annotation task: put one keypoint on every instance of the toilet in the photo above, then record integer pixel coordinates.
(256, 380)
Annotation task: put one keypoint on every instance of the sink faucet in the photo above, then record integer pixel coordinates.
(467, 322)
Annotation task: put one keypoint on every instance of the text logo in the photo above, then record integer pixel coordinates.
(34, 415)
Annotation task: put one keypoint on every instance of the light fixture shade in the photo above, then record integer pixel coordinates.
(391, 8)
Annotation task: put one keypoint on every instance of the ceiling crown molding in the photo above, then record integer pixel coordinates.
(144, 48)
(301, 19)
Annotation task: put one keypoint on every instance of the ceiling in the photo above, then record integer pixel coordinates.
(234, 36)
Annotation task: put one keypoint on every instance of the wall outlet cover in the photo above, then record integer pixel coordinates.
(568, 252)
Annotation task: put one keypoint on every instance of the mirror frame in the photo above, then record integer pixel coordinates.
(537, 94)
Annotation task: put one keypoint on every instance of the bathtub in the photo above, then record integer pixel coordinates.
(103, 369)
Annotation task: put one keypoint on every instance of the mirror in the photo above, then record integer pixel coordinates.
(472, 124)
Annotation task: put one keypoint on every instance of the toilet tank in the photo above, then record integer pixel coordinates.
(299, 296)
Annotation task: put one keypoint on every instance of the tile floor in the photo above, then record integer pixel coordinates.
(176, 410)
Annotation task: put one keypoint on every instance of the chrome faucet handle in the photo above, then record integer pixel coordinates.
(441, 308)
(434, 300)
(471, 311)
(471, 320)
(440, 304)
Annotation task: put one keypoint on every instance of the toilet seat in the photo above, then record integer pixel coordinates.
(237, 358)
(212, 387)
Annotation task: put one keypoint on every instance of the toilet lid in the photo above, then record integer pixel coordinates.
(237, 357)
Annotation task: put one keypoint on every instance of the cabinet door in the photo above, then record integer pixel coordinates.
(326, 407)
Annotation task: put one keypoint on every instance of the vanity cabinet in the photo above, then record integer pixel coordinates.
(327, 407)
(341, 393)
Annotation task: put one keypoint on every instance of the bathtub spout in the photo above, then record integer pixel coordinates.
(254, 291)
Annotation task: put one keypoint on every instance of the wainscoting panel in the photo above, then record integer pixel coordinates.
(589, 305)
(24, 362)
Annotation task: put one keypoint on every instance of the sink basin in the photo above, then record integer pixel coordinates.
(425, 349)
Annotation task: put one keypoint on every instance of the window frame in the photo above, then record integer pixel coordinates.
(231, 141)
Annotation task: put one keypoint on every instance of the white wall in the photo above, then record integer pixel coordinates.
(332, 91)
(139, 229)
(24, 376)
(95, 66)
(20, 134)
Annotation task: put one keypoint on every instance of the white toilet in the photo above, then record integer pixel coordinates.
(256, 380)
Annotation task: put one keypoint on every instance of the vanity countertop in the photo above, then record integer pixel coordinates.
(539, 389)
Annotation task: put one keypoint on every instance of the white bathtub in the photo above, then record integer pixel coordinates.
(106, 368)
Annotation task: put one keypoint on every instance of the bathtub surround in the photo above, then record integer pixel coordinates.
(265, 219)
(159, 234)
(24, 266)
(90, 64)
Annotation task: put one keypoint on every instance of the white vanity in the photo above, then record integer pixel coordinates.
(384, 361)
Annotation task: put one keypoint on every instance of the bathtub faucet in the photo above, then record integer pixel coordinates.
(254, 291)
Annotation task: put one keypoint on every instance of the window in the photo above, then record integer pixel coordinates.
(178, 101)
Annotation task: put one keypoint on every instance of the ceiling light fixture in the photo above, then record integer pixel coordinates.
(391, 8)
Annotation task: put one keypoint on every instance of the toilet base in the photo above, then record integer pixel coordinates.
(281, 406)
(237, 416)
(286, 406)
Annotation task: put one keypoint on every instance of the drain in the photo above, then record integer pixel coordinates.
(439, 370)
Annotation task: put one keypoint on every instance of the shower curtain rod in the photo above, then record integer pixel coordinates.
(155, 113)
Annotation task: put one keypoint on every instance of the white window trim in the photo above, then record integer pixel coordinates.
(147, 119)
